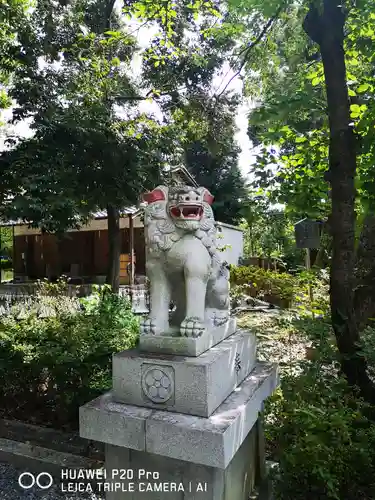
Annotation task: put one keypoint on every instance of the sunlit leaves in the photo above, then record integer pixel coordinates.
(364, 87)
(356, 111)
(291, 113)
(165, 15)
(13, 16)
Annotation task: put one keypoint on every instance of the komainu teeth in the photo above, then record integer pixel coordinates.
(187, 212)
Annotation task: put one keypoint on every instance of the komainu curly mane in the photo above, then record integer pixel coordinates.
(162, 231)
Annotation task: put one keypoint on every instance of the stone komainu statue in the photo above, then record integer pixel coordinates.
(183, 263)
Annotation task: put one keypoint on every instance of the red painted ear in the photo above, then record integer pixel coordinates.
(208, 198)
(155, 195)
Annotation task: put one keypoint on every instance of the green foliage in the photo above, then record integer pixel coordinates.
(56, 364)
(6, 264)
(6, 240)
(83, 155)
(319, 431)
(219, 173)
(262, 283)
(368, 347)
(13, 17)
(289, 121)
(92, 145)
(269, 232)
(326, 439)
(45, 288)
(318, 281)
(211, 155)
(205, 127)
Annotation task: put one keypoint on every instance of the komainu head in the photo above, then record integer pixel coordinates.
(189, 208)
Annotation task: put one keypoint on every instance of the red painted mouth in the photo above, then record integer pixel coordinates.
(192, 212)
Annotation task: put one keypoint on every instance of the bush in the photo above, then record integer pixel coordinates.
(325, 443)
(51, 366)
(319, 430)
(263, 283)
(6, 264)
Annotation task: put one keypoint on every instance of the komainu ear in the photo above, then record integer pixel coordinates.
(156, 195)
(207, 197)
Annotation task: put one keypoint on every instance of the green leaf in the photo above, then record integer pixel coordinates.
(363, 88)
(113, 33)
(315, 82)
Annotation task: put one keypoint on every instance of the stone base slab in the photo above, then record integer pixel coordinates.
(187, 346)
(193, 386)
(211, 441)
(162, 478)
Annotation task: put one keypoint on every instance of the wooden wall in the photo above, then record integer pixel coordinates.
(87, 249)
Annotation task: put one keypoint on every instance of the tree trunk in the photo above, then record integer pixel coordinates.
(326, 28)
(251, 240)
(114, 244)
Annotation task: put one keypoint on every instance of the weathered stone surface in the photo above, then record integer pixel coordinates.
(189, 385)
(209, 441)
(113, 423)
(233, 483)
(187, 346)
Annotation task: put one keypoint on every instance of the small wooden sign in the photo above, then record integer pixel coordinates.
(307, 233)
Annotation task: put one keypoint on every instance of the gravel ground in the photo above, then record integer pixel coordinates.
(278, 340)
(10, 489)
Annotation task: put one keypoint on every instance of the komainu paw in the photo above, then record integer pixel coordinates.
(149, 327)
(192, 327)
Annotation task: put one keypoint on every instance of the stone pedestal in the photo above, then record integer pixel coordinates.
(178, 479)
(185, 426)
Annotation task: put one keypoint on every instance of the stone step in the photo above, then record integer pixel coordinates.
(67, 442)
(188, 385)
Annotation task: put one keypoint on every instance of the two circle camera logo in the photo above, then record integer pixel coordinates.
(43, 480)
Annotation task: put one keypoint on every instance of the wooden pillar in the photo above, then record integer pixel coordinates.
(1, 270)
(45, 268)
(308, 267)
(13, 251)
(131, 249)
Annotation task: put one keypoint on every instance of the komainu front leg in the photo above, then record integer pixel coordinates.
(157, 322)
(193, 325)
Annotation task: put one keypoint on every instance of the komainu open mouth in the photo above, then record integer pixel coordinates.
(193, 212)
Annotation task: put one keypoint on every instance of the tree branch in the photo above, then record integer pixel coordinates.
(247, 50)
